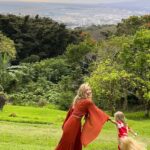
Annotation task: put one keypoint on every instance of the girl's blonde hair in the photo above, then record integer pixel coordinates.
(81, 93)
(120, 116)
(129, 143)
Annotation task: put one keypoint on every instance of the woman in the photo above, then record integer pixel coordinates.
(73, 137)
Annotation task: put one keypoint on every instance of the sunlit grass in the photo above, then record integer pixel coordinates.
(32, 115)
(45, 133)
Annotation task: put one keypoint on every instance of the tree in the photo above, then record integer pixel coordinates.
(7, 52)
(106, 84)
(109, 49)
(7, 46)
(135, 58)
(80, 56)
(38, 36)
(132, 24)
(76, 53)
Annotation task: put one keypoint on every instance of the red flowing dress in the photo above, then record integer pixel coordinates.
(74, 135)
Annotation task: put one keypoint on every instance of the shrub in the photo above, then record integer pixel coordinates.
(13, 115)
(31, 59)
(65, 100)
(42, 103)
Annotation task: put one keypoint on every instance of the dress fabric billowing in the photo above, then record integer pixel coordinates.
(73, 138)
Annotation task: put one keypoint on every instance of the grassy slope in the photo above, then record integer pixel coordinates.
(32, 115)
(43, 130)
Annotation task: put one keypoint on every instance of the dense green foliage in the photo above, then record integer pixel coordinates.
(123, 72)
(7, 53)
(132, 24)
(37, 38)
(7, 46)
(99, 32)
(117, 66)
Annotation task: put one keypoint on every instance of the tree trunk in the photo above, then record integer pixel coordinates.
(112, 110)
(112, 106)
(2, 102)
(147, 110)
(111, 97)
(125, 103)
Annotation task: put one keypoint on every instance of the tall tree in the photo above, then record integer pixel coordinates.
(107, 83)
(135, 59)
(7, 52)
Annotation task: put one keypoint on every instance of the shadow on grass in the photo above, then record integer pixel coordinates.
(24, 121)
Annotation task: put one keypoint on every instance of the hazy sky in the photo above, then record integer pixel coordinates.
(71, 1)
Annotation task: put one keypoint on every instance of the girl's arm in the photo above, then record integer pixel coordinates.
(132, 132)
(112, 121)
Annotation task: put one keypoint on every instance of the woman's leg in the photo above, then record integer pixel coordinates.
(71, 136)
(78, 145)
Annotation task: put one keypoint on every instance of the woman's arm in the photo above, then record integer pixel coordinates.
(93, 124)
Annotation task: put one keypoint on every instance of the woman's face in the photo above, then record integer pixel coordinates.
(88, 92)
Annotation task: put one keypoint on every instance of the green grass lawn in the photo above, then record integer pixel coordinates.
(32, 115)
(40, 129)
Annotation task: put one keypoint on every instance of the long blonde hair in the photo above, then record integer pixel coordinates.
(129, 143)
(119, 116)
(81, 93)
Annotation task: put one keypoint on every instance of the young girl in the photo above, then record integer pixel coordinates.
(122, 127)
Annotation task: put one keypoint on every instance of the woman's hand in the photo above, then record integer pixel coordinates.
(112, 121)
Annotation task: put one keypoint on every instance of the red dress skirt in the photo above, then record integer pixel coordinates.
(73, 138)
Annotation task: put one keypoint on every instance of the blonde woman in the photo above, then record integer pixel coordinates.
(73, 137)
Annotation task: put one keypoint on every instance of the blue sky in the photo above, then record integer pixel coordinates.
(71, 1)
